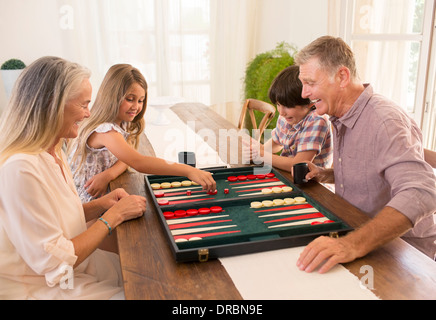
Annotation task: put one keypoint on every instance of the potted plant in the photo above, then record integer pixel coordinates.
(261, 72)
(10, 70)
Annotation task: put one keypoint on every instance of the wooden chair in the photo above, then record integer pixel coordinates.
(267, 109)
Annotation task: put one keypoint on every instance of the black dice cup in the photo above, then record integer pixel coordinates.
(187, 157)
(300, 172)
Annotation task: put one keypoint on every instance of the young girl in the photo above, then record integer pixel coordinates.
(108, 139)
(300, 134)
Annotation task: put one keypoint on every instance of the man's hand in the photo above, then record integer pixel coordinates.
(386, 226)
(327, 252)
(320, 174)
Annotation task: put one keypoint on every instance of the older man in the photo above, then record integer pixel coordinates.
(378, 160)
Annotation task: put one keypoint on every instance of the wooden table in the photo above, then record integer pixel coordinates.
(150, 271)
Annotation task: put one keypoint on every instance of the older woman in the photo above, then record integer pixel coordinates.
(46, 249)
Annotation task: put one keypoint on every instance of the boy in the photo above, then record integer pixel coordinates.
(300, 134)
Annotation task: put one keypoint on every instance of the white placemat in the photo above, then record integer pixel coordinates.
(273, 275)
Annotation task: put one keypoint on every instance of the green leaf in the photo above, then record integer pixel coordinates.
(13, 64)
(261, 72)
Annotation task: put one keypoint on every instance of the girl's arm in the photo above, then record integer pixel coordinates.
(98, 184)
(116, 144)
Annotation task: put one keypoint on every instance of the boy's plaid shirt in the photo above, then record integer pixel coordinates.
(311, 133)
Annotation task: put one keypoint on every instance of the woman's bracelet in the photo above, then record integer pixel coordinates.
(107, 224)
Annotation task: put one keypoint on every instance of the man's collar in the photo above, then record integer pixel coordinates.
(350, 118)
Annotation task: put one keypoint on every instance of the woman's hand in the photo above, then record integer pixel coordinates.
(123, 207)
(110, 199)
(118, 206)
(128, 208)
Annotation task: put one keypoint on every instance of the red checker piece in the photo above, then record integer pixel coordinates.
(270, 175)
(163, 202)
(180, 213)
(260, 176)
(204, 211)
(242, 178)
(159, 194)
(216, 209)
(251, 177)
(232, 179)
(168, 215)
(192, 212)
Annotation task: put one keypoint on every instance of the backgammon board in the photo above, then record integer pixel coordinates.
(254, 209)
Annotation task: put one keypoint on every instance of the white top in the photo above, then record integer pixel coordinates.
(97, 161)
(40, 212)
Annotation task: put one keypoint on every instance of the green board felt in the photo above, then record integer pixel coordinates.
(252, 228)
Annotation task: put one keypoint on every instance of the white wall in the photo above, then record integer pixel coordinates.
(29, 29)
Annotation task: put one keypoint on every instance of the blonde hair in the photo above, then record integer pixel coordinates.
(112, 92)
(33, 118)
(332, 53)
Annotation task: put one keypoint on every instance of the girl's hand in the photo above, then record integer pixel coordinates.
(97, 186)
(204, 178)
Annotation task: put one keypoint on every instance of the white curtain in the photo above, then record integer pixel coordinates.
(107, 32)
(196, 50)
(390, 65)
(233, 34)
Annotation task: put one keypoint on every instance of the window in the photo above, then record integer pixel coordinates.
(168, 40)
(391, 40)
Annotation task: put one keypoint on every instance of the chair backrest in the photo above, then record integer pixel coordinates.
(267, 109)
